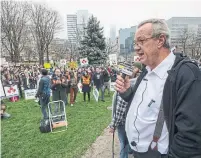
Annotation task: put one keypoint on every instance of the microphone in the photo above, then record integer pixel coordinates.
(127, 70)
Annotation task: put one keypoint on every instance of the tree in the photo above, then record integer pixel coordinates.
(93, 44)
(14, 17)
(46, 23)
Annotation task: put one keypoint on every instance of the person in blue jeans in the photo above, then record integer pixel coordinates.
(44, 92)
(119, 113)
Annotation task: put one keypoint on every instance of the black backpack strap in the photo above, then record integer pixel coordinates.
(158, 128)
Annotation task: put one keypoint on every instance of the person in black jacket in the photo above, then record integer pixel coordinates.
(99, 82)
(44, 92)
(164, 109)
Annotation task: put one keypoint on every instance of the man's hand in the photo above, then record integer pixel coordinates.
(122, 84)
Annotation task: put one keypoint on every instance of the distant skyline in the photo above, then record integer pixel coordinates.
(124, 14)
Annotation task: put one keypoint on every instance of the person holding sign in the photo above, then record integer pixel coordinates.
(86, 80)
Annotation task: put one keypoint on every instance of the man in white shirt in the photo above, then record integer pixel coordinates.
(169, 84)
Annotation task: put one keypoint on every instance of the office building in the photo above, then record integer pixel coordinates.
(72, 28)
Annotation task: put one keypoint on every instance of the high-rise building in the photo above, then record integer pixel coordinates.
(82, 20)
(126, 39)
(113, 33)
(183, 27)
(72, 28)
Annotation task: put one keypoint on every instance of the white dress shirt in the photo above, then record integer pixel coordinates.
(141, 118)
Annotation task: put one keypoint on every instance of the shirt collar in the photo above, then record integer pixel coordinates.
(163, 67)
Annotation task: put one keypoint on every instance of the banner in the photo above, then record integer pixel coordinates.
(2, 90)
(84, 61)
(112, 84)
(30, 93)
(95, 94)
(11, 91)
(79, 87)
(113, 59)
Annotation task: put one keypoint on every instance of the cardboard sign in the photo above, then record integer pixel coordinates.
(30, 94)
(84, 61)
(96, 94)
(112, 84)
(11, 91)
(113, 59)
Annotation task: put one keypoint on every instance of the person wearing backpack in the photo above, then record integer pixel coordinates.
(43, 92)
(164, 106)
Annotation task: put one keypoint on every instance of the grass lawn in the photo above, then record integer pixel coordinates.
(21, 138)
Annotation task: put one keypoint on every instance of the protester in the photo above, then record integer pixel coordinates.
(73, 87)
(4, 114)
(86, 80)
(99, 82)
(164, 115)
(59, 85)
(44, 92)
(106, 79)
(68, 86)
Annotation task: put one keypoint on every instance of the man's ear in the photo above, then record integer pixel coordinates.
(161, 40)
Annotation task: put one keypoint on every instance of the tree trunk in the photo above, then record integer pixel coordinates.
(47, 51)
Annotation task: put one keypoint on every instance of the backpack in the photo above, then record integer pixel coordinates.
(44, 126)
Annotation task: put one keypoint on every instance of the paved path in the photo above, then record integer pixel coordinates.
(102, 147)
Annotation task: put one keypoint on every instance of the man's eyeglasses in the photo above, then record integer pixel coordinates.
(141, 42)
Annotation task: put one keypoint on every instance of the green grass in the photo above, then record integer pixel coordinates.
(21, 137)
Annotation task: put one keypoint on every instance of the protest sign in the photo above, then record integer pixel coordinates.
(63, 62)
(84, 61)
(30, 94)
(2, 90)
(11, 91)
(96, 94)
(47, 65)
(113, 59)
(79, 87)
(112, 84)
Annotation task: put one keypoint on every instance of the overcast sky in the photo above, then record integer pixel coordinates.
(124, 13)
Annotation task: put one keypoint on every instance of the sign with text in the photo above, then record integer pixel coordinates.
(112, 84)
(84, 61)
(63, 62)
(30, 94)
(113, 59)
(11, 91)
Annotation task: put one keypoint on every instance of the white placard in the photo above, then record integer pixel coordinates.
(63, 61)
(79, 87)
(1, 90)
(11, 91)
(84, 61)
(30, 94)
(136, 58)
(95, 94)
(113, 59)
(112, 84)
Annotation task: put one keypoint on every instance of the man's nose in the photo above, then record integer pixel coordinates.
(137, 48)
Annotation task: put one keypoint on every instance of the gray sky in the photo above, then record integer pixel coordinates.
(124, 13)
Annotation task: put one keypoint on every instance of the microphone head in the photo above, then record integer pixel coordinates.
(127, 70)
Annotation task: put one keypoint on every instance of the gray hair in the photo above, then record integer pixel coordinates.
(159, 27)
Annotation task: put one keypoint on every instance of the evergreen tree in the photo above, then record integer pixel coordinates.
(93, 45)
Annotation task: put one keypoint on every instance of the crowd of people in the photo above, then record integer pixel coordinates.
(62, 82)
